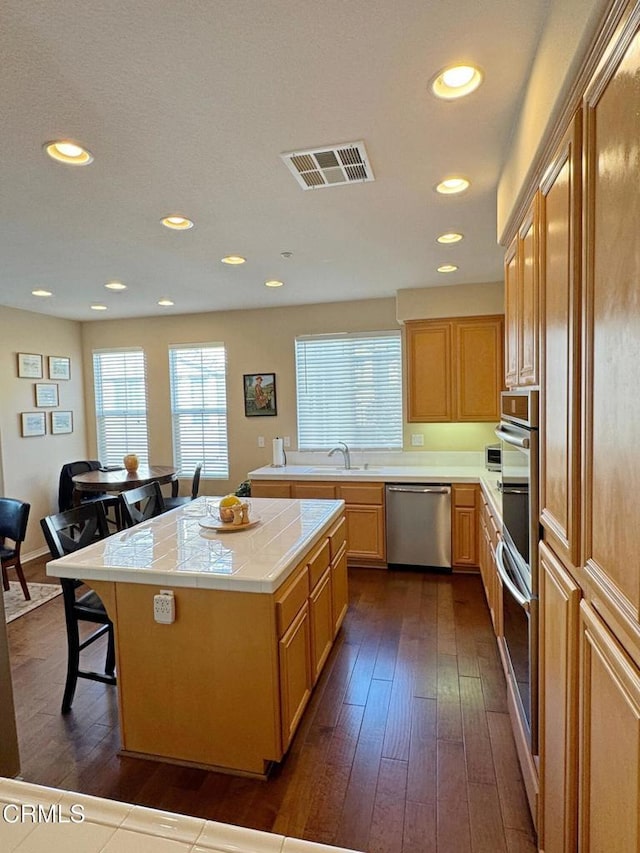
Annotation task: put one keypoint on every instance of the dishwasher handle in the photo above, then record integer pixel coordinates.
(422, 490)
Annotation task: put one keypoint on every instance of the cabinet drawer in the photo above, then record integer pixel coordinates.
(270, 489)
(362, 493)
(337, 537)
(291, 600)
(464, 495)
(321, 491)
(318, 562)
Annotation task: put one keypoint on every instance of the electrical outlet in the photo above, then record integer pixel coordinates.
(260, 441)
(287, 441)
(417, 439)
(164, 607)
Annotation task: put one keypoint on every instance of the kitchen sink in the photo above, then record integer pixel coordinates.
(328, 469)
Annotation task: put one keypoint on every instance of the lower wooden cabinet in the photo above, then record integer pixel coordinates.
(464, 525)
(558, 724)
(295, 672)
(339, 589)
(609, 794)
(321, 611)
(365, 532)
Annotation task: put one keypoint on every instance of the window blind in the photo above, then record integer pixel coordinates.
(120, 381)
(349, 388)
(199, 409)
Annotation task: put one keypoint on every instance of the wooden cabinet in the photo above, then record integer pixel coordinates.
(321, 613)
(558, 725)
(521, 304)
(454, 369)
(270, 489)
(296, 676)
(609, 796)
(464, 534)
(319, 491)
(488, 537)
(365, 533)
(339, 589)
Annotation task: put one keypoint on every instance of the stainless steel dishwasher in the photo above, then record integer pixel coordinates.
(419, 524)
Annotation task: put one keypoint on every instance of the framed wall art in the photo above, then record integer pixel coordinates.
(29, 365)
(33, 423)
(260, 395)
(61, 423)
(59, 367)
(46, 394)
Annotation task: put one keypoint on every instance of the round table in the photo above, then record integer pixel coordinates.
(120, 481)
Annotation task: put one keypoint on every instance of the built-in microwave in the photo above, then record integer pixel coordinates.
(493, 457)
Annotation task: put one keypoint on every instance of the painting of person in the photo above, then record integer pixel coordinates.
(259, 394)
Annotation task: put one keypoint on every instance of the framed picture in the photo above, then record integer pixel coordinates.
(46, 394)
(59, 367)
(61, 423)
(29, 365)
(260, 395)
(33, 423)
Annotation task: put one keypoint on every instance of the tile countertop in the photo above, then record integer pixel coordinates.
(35, 819)
(175, 550)
(391, 474)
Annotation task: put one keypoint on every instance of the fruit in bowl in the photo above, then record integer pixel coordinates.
(226, 506)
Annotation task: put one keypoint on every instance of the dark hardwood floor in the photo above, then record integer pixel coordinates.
(406, 746)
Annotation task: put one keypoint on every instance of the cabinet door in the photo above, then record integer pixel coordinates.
(611, 496)
(511, 314)
(560, 219)
(365, 532)
(479, 368)
(528, 299)
(339, 590)
(464, 523)
(270, 489)
(429, 392)
(558, 725)
(609, 801)
(320, 609)
(295, 673)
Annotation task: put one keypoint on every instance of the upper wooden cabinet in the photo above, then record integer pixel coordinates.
(521, 303)
(454, 369)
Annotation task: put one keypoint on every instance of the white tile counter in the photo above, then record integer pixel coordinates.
(174, 549)
(35, 819)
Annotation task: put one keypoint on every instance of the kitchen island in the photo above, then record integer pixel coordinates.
(256, 612)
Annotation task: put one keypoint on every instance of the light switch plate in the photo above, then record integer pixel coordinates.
(417, 439)
(260, 441)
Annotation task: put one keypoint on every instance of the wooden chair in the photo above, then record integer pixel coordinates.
(175, 501)
(137, 505)
(14, 515)
(67, 532)
(66, 489)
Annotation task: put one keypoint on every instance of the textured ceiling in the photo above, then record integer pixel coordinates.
(187, 108)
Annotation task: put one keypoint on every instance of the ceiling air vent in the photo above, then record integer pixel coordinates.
(330, 165)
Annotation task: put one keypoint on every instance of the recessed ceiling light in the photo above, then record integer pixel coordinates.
(450, 237)
(450, 186)
(115, 285)
(41, 292)
(98, 307)
(447, 268)
(167, 302)
(456, 81)
(68, 152)
(273, 282)
(234, 260)
(177, 223)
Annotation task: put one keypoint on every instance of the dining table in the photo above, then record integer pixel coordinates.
(111, 479)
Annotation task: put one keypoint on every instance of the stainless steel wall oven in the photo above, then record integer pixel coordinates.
(517, 553)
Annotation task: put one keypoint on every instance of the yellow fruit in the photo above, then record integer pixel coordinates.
(229, 500)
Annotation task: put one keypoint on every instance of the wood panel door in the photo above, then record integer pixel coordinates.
(560, 246)
(558, 725)
(428, 358)
(479, 372)
(365, 533)
(611, 494)
(320, 610)
(609, 797)
(464, 525)
(339, 589)
(528, 316)
(511, 308)
(295, 673)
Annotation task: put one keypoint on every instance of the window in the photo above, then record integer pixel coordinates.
(121, 405)
(199, 409)
(349, 388)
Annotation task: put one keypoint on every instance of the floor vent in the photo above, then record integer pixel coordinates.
(330, 165)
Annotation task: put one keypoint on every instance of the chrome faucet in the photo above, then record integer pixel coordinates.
(345, 453)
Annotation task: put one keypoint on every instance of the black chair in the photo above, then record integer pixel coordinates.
(66, 489)
(174, 501)
(140, 504)
(67, 532)
(14, 515)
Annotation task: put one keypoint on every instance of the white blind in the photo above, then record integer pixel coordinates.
(199, 409)
(120, 380)
(349, 388)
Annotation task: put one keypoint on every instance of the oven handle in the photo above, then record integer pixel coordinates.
(519, 441)
(522, 600)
